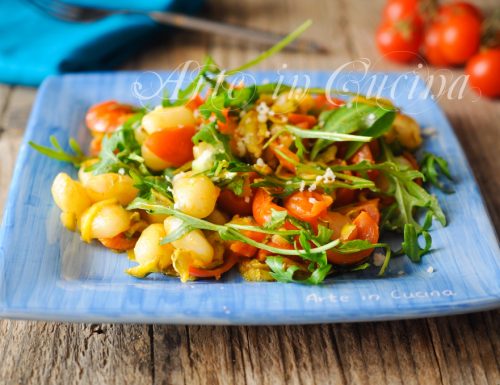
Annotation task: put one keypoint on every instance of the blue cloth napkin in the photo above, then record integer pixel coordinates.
(33, 45)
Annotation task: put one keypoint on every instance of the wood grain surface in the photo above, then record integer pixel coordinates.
(451, 350)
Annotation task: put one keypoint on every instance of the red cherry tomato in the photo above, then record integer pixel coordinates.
(432, 46)
(244, 249)
(365, 153)
(344, 196)
(231, 260)
(286, 157)
(195, 101)
(119, 242)
(263, 254)
(307, 205)
(366, 229)
(308, 120)
(399, 41)
(484, 72)
(396, 10)
(107, 116)
(172, 145)
(229, 125)
(369, 206)
(460, 37)
(327, 103)
(233, 204)
(262, 206)
(457, 8)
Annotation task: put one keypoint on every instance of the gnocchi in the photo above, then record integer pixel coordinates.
(166, 117)
(106, 186)
(194, 241)
(70, 196)
(104, 219)
(195, 195)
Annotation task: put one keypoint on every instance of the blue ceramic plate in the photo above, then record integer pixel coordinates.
(48, 273)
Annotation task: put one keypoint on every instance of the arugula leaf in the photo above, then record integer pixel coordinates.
(351, 118)
(214, 105)
(148, 183)
(431, 167)
(354, 246)
(285, 275)
(324, 235)
(179, 232)
(121, 150)
(276, 48)
(279, 273)
(410, 245)
(376, 130)
(277, 219)
(408, 194)
(58, 153)
(209, 133)
(326, 137)
(236, 185)
(196, 84)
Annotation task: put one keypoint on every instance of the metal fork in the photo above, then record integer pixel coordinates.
(75, 13)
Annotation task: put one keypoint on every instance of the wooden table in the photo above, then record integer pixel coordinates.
(451, 350)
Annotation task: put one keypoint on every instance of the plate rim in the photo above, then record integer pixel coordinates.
(478, 304)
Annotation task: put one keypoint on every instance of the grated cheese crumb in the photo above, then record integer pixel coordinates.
(312, 187)
(121, 171)
(328, 176)
(312, 200)
(262, 108)
(260, 162)
(302, 186)
(429, 131)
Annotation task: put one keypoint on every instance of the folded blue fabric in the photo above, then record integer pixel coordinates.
(33, 45)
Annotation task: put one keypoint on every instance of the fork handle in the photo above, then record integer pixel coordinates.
(243, 33)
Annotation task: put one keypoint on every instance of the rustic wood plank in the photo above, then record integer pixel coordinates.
(18, 108)
(467, 348)
(55, 353)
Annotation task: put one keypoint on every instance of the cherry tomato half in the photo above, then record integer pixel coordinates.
(174, 145)
(366, 229)
(262, 206)
(307, 205)
(233, 204)
(107, 116)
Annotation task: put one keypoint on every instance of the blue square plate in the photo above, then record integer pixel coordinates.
(48, 273)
